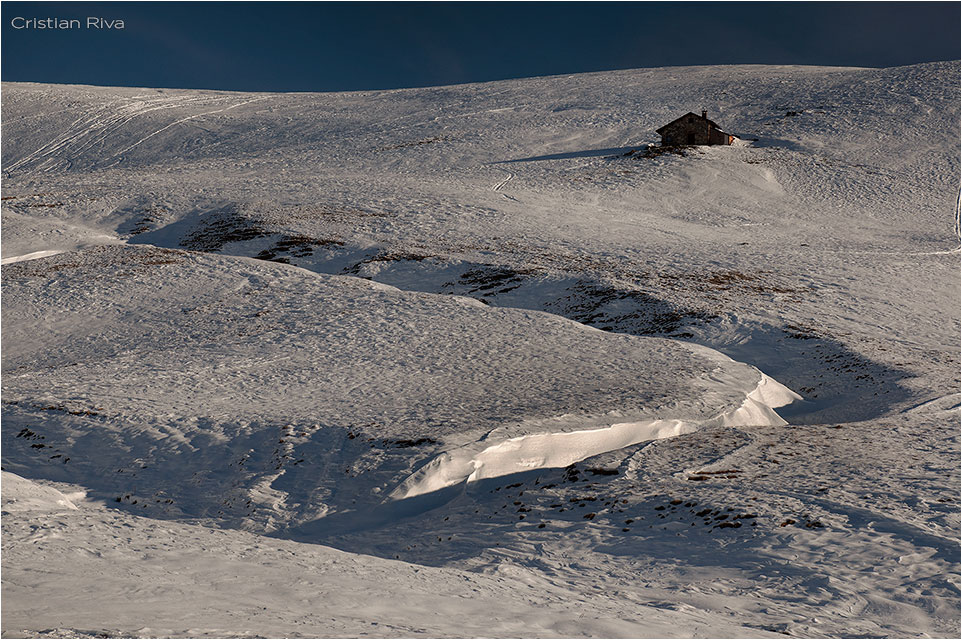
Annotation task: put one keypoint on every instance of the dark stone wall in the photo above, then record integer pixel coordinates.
(693, 130)
(689, 130)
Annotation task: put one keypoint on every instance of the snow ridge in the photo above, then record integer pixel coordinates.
(480, 461)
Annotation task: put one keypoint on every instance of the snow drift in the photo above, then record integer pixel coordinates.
(483, 460)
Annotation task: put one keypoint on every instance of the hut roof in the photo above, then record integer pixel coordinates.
(711, 122)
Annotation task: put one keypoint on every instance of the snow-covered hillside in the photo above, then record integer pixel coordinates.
(490, 347)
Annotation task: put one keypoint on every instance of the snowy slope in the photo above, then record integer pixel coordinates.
(455, 189)
(240, 372)
(424, 380)
(151, 575)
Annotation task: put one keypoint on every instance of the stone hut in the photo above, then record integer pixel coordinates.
(693, 129)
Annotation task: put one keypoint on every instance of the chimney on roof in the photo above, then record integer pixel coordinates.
(704, 114)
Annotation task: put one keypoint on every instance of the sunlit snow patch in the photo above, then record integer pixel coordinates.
(479, 461)
(20, 494)
(34, 255)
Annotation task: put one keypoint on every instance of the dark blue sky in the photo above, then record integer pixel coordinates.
(341, 46)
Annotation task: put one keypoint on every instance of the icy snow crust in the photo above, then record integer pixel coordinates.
(424, 385)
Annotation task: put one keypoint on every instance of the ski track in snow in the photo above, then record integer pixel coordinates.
(501, 185)
(187, 119)
(498, 187)
(92, 129)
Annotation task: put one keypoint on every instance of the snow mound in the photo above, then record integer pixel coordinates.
(288, 386)
(20, 494)
(269, 341)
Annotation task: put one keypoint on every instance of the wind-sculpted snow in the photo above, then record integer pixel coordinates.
(473, 337)
(155, 329)
(20, 494)
(561, 448)
(172, 341)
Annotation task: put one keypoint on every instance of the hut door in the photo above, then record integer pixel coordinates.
(691, 138)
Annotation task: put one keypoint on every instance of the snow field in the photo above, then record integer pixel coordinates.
(193, 394)
(152, 573)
